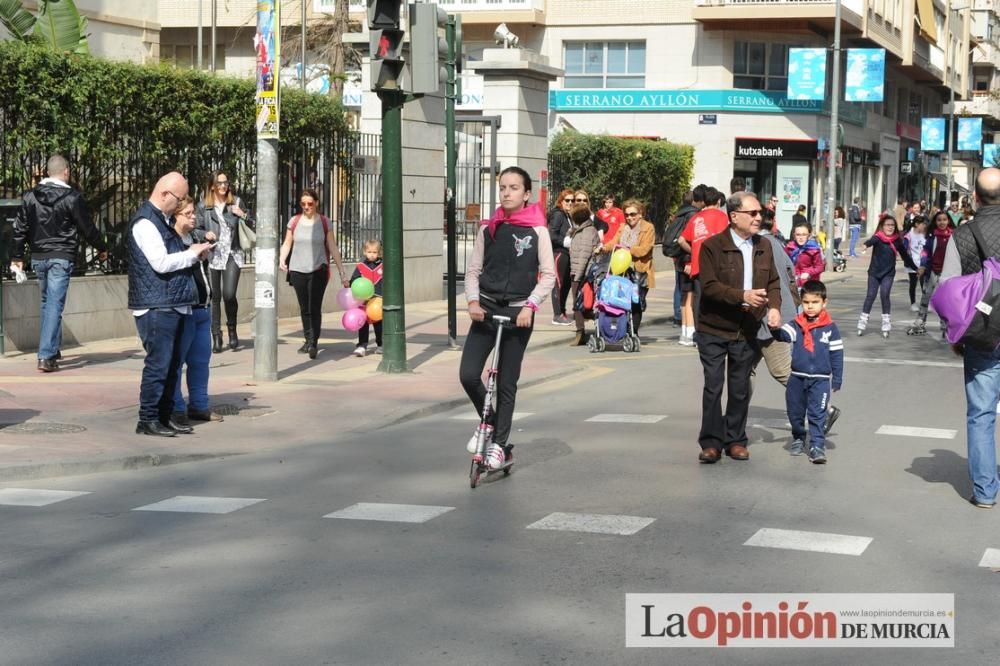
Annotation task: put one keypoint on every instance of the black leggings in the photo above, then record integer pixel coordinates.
(637, 309)
(363, 334)
(881, 287)
(913, 286)
(224, 285)
(560, 292)
(309, 288)
(475, 355)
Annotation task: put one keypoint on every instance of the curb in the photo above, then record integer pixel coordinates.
(125, 463)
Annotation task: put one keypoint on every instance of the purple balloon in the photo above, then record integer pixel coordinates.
(354, 319)
(346, 300)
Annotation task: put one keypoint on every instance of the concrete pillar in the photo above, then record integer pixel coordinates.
(516, 88)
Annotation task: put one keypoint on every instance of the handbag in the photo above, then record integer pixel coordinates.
(248, 237)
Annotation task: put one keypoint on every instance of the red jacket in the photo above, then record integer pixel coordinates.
(808, 262)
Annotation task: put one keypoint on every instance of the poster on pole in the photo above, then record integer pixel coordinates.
(991, 155)
(865, 78)
(806, 73)
(267, 42)
(970, 134)
(932, 134)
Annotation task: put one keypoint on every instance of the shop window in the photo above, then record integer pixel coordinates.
(604, 64)
(760, 66)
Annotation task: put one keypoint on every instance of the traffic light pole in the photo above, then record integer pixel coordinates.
(452, 181)
(393, 312)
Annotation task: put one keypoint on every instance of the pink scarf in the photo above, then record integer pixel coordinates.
(529, 216)
(889, 240)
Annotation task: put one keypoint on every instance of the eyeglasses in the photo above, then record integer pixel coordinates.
(186, 213)
(222, 183)
(568, 199)
(582, 200)
(751, 213)
(307, 203)
(174, 196)
(631, 214)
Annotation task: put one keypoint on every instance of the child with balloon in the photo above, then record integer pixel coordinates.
(371, 269)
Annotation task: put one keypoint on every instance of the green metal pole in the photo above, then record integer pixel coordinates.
(393, 313)
(449, 130)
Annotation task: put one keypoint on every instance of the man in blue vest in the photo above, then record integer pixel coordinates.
(161, 291)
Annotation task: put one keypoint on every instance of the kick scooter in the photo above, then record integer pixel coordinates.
(484, 434)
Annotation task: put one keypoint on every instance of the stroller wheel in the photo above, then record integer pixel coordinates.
(638, 345)
(628, 345)
(600, 344)
(592, 344)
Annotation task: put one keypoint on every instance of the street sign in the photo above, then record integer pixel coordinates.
(906, 167)
(708, 119)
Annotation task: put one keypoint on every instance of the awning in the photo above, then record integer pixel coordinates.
(925, 16)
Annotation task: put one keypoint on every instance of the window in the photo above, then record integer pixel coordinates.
(605, 64)
(915, 109)
(760, 66)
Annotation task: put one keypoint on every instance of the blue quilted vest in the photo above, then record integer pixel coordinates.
(148, 289)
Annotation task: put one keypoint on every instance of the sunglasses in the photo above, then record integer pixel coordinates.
(570, 199)
(582, 200)
(631, 214)
(222, 183)
(751, 213)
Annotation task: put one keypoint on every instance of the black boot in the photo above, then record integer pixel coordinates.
(234, 340)
(305, 347)
(311, 349)
(216, 342)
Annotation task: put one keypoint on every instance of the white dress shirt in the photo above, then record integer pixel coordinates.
(745, 246)
(151, 243)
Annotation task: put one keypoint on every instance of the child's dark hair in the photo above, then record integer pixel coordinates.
(525, 178)
(813, 287)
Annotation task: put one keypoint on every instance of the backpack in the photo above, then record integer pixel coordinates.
(323, 218)
(618, 292)
(670, 247)
(967, 303)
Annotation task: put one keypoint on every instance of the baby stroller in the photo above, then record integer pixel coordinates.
(613, 313)
(839, 262)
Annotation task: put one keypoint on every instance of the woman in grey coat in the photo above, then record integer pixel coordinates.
(220, 212)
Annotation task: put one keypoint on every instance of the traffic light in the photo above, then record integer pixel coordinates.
(386, 45)
(428, 48)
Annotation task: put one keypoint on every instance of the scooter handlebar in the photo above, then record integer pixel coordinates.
(500, 319)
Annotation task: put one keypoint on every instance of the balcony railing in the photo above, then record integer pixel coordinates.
(474, 5)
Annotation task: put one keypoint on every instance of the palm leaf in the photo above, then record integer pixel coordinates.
(61, 25)
(16, 19)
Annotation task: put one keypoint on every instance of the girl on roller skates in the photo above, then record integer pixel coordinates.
(510, 273)
(886, 246)
(931, 262)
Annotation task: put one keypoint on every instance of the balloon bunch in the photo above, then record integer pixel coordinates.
(361, 305)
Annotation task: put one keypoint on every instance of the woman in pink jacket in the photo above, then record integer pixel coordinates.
(806, 254)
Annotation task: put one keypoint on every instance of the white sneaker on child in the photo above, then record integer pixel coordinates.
(359, 351)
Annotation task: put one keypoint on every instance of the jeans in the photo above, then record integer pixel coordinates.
(53, 282)
(855, 234)
(161, 332)
(195, 353)
(806, 399)
(677, 296)
(982, 386)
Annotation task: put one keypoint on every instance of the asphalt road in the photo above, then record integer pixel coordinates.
(92, 580)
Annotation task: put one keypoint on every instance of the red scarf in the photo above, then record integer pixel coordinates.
(889, 240)
(529, 216)
(807, 326)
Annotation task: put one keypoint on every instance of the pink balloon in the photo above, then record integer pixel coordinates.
(346, 300)
(354, 319)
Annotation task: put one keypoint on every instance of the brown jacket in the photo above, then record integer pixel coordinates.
(642, 252)
(722, 313)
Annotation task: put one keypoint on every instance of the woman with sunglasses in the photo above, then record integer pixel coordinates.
(218, 217)
(638, 235)
(559, 230)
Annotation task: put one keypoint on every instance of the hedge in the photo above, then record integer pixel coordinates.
(654, 172)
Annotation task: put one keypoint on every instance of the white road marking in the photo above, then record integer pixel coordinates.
(781, 424)
(35, 497)
(894, 361)
(626, 418)
(910, 431)
(192, 504)
(592, 522)
(393, 513)
(991, 558)
(818, 542)
(475, 417)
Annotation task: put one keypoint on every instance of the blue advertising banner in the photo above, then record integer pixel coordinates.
(932, 134)
(970, 134)
(630, 101)
(865, 79)
(991, 155)
(806, 73)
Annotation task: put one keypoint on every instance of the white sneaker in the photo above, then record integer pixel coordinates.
(914, 307)
(378, 350)
(359, 351)
(687, 342)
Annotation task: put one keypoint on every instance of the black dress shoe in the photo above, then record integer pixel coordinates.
(47, 365)
(178, 428)
(153, 428)
(831, 417)
(207, 415)
(180, 418)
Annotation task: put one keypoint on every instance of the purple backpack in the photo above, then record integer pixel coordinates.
(966, 303)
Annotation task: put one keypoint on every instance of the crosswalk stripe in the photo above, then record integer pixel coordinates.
(911, 431)
(36, 497)
(394, 513)
(475, 417)
(626, 418)
(193, 504)
(991, 558)
(593, 523)
(818, 542)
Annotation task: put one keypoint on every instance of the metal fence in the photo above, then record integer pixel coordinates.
(343, 168)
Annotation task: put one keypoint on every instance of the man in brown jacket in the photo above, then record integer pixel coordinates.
(740, 287)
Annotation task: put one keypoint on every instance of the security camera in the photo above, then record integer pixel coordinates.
(504, 36)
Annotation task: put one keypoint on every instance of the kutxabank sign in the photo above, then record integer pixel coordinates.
(630, 101)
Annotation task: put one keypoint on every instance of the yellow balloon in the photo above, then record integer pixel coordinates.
(621, 261)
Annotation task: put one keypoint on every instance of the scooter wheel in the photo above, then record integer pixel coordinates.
(506, 471)
(474, 474)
